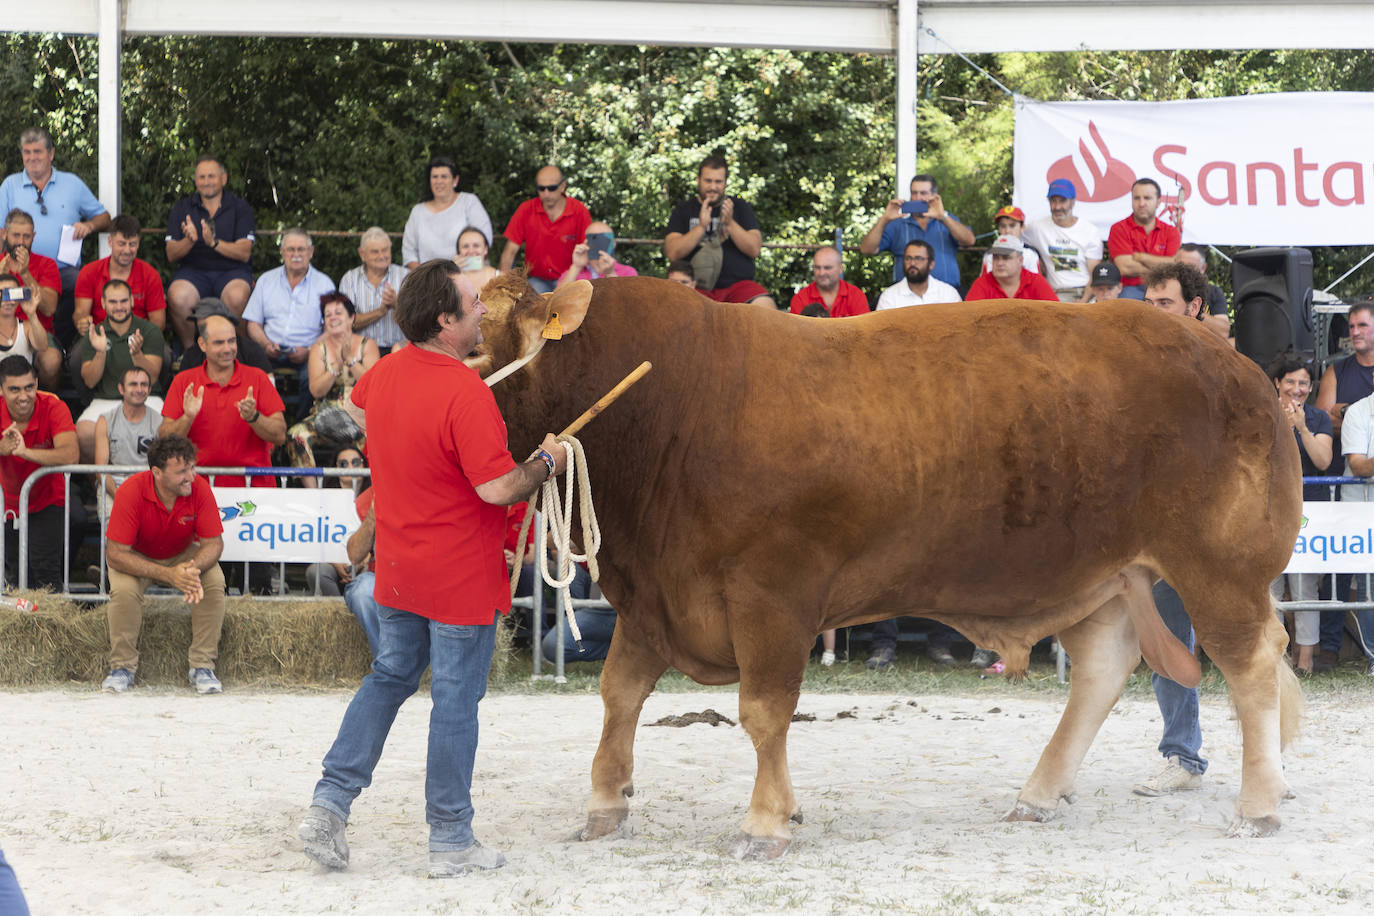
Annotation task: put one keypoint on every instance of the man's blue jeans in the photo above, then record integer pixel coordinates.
(597, 626)
(358, 598)
(1178, 704)
(12, 901)
(460, 658)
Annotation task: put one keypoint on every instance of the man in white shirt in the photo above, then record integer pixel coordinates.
(918, 287)
(1069, 247)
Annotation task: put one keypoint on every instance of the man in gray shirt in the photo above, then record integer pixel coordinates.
(122, 435)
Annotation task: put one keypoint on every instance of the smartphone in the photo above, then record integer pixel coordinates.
(597, 242)
(915, 207)
(15, 294)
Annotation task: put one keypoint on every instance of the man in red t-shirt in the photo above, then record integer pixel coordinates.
(1140, 241)
(123, 263)
(41, 276)
(840, 298)
(443, 477)
(36, 429)
(229, 410)
(1008, 279)
(165, 527)
(550, 226)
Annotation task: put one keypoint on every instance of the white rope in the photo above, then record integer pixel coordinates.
(557, 510)
(511, 368)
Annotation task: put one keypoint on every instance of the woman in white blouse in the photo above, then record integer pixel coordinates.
(442, 213)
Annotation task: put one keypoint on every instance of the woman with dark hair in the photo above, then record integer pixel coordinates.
(337, 360)
(443, 212)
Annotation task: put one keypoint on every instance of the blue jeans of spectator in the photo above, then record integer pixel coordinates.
(12, 901)
(459, 658)
(1133, 292)
(540, 285)
(1178, 704)
(361, 604)
(597, 626)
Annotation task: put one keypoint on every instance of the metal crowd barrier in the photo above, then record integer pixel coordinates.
(534, 603)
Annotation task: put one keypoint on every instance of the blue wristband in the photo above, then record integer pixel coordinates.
(547, 459)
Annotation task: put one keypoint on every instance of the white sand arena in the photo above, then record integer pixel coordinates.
(164, 802)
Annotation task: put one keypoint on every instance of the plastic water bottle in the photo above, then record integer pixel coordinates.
(19, 604)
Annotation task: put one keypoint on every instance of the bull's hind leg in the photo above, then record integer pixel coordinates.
(1267, 698)
(632, 669)
(1104, 650)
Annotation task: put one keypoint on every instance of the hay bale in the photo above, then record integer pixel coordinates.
(288, 643)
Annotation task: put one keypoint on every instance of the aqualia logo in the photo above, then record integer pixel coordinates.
(319, 530)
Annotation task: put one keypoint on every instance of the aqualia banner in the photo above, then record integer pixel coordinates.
(1291, 168)
(286, 525)
(1335, 538)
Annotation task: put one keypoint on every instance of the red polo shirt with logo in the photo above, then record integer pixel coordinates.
(849, 300)
(44, 270)
(144, 283)
(50, 417)
(1128, 237)
(139, 518)
(434, 434)
(222, 437)
(1033, 286)
(548, 245)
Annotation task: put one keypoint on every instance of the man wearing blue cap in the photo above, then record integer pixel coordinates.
(1069, 247)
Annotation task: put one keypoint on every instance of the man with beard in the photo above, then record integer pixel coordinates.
(1009, 279)
(40, 275)
(839, 298)
(720, 236)
(1141, 242)
(210, 233)
(918, 287)
(1069, 247)
(123, 263)
(118, 343)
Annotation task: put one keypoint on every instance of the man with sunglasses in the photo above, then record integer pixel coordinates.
(55, 200)
(549, 226)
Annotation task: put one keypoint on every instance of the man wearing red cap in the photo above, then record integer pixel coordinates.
(1008, 279)
(1011, 221)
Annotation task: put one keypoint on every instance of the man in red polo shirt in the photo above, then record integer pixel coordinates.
(443, 478)
(1008, 279)
(230, 411)
(36, 429)
(165, 527)
(1140, 241)
(41, 276)
(550, 226)
(123, 263)
(840, 298)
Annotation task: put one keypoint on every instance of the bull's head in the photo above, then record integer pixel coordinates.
(519, 319)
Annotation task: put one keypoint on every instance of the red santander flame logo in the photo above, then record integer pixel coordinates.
(1107, 178)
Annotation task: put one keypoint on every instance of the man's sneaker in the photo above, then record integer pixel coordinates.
(1370, 672)
(1171, 778)
(882, 657)
(118, 681)
(454, 863)
(940, 655)
(983, 658)
(204, 680)
(827, 659)
(322, 831)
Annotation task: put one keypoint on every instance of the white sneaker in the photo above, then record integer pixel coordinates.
(827, 659)
(118, 681)
(204, 680)
(456, 862)
(1171, 778)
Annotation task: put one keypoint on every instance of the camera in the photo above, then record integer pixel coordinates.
(15, 294)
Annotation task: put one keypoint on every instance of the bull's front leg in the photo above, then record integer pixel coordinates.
(767, 699)
(632, 669)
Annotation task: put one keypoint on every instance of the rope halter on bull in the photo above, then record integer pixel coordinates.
(557, 510)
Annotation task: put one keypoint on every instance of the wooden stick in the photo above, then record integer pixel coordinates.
(607, 398)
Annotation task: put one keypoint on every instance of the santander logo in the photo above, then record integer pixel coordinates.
(1107, 178)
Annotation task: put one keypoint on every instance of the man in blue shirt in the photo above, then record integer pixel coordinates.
(54, 199)
(283, 313)
(941, 230)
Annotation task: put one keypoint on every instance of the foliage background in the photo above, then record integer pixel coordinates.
(332, 134)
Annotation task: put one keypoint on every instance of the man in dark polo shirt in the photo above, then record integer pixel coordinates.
(210, 233)
(230, 411)
(165, 527)
(719, 234)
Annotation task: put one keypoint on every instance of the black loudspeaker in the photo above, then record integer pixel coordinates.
(1273, 302)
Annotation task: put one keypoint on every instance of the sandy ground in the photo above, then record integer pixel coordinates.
(163, 802)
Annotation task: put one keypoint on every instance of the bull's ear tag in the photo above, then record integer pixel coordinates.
(553, 330)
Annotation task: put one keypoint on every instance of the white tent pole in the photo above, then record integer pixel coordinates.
(906, 96)
(107, 118)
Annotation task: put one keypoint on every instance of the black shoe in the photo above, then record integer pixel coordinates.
(882, 657)
(940, 655)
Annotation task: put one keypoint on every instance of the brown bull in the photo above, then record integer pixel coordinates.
(1013, 469)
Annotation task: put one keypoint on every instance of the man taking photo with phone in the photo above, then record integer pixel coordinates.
(594, 258)
(922, 218)
(720, 236)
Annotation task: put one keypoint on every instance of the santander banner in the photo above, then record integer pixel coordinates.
(1292, 168)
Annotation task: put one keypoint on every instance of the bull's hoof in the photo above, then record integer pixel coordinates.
(797, 816)
(759, 848)
(1253, 826)
(1024, 812)
(602, 824)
